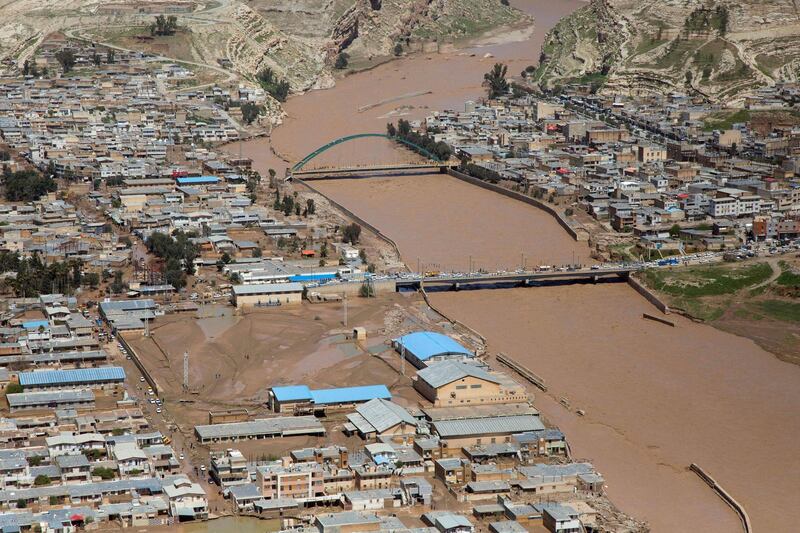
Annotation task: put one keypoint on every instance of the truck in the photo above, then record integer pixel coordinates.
(668, 262)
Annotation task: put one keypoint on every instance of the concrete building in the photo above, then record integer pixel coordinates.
(454, 383)
(301, 399)
(263, 428)
(67, 399)
(267, 294)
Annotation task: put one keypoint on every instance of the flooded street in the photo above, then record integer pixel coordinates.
(656, 398)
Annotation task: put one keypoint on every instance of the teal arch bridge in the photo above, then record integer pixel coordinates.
(298, 170)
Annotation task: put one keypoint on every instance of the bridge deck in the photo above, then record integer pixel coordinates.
(516, 277)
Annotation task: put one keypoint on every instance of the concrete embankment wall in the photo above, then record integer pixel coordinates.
(353, 216)
(353, 289)
(578, 236)
(135, 358)
(648, 295)
(726, 497)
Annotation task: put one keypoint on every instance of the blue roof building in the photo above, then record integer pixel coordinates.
(348, 395)
(79, 377)
(36, 324)
(198, 180)
(299, 397)
(423, 348)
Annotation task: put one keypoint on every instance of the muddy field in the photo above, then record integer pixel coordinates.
(235, 358)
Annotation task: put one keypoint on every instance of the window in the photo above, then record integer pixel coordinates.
(461, 387)
(478, 386)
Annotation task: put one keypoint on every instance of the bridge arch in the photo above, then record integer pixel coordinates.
(300, 164)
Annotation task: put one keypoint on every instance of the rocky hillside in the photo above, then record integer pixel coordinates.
(298, 39)
(721, 49)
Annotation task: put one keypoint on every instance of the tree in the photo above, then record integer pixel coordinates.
(256, 252)
(675, 230)
(21, 503)
(103, 473)
(14, 388)
(66, 58)
(688, 76)
(26, 68)
(311, 207)
(495, 80)
(117, 286)
(391, 130)
(26, 185)
(342, 60)
(398, 49)
(96, 59)
(250, 111)
(41, 480)
(276, 87)
(504, 2)
(351, 233)
(367, 290)
(164, 25)
(225, 258)
(110, 56)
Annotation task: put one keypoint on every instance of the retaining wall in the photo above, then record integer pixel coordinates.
(135, 358)
(578, 236)
(648, 295)
(354, 217)
(726, 497)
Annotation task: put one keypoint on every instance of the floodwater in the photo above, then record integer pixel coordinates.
(440, 81)
(232, 524)
(442, 223)
(656, 398)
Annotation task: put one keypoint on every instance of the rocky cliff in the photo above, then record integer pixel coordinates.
(721, 49)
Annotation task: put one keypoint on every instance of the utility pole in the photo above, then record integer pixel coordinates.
(345, 308)
(186, 371)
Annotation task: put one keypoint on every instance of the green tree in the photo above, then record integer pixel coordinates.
(250, 111)
(391, 130)
(26, 185)
(14, 388)
(66, 58)
(351, 233)
(674, 231)
(398, 49)
(495, 80)
(111, 56)
(276, 87)
(41, 480)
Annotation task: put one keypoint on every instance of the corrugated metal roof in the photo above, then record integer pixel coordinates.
(39, 398)
(487, 426)
(442, 373)
(427, 344)
(266, 288)
(263, 426)
(66, 377)
(350, 394)
(382, 415)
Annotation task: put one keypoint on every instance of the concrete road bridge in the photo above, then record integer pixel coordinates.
(488, 280)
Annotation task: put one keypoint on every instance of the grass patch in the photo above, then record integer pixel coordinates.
(788, 278)
(780, 310)
(724, 120)
(706, 281)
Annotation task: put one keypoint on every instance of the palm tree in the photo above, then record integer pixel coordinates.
(495, 80)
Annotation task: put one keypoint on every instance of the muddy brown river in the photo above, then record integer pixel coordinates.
(656, 398)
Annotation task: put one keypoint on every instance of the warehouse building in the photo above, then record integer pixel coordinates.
(263, 428)
(458, 433)
(104, 377)
(67, 399)
(451, 383)
(267, 294)
(423, 348)
(301, 399)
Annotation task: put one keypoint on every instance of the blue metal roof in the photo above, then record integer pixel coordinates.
(350, 394)
(36, 324)
(66, 377)
(311, 277)
(427, 344)
(291, 393)
(195, 180)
